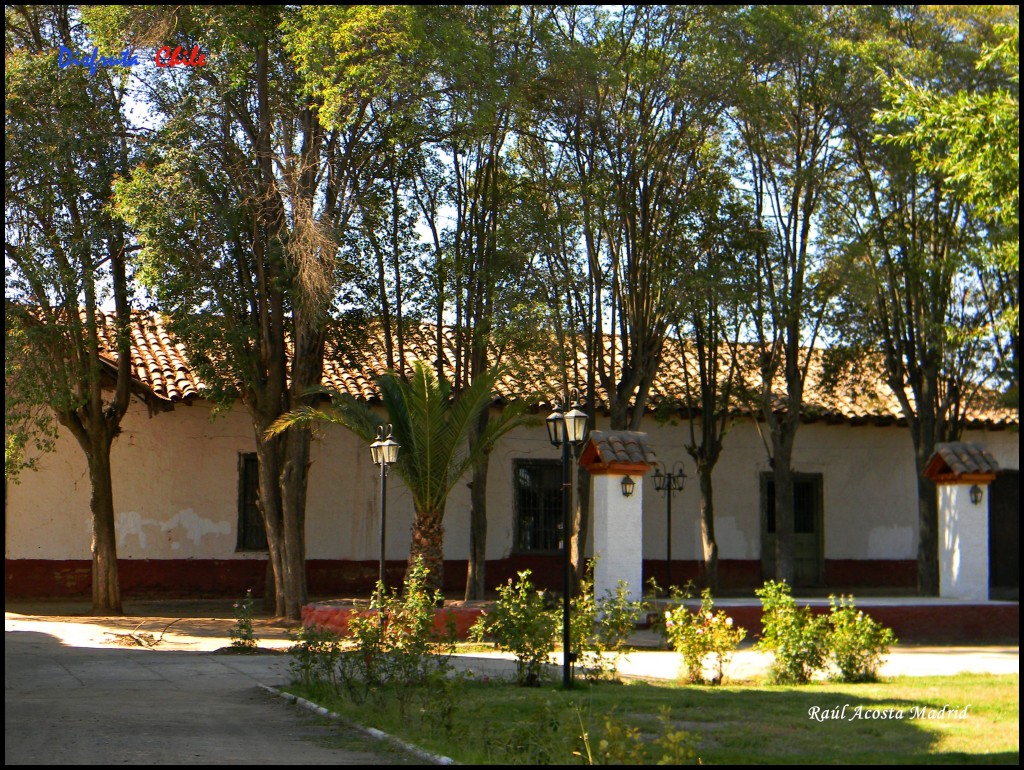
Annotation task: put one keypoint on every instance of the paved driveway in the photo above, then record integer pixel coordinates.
(91, 705)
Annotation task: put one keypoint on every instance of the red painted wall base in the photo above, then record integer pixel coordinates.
(216, 578)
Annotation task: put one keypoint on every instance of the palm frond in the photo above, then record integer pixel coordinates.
(431, 426)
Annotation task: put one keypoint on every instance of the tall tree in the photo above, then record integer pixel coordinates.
(969, 132)
(708, 332)
(647, 136)
(445, 86)
(485, 79)
(635, 111)
(66, 139)
(239, 209)
(788, 122)
(916, 239)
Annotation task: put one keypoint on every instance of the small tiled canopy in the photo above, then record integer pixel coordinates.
(617, 451)
(961, 462)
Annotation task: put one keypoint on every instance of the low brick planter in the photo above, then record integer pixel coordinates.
(335, 617)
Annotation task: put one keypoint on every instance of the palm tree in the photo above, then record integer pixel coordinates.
(432, 426)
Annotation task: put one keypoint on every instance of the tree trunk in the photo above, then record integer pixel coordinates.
(580, 528)
(925, 432)
(476, 569)
(928, 539)
(707, 526)
(785, 563)
(269, 502)
(428, 544)
(106, 591)
(293, 511)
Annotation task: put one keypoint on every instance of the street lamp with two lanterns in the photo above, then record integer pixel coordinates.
(567, 430)
(669, 482)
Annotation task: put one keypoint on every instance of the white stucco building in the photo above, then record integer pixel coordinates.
(184, 486)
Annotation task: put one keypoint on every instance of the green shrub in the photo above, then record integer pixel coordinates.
(797, 637)
(600, 628)
(856, 642)
(704, 638)
(397, 650)
(243, 636)
(522, 624)
(315, 655)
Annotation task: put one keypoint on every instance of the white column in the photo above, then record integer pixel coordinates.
(963, 543)
(618, 535)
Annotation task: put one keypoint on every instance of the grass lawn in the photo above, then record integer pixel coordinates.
(477, 722)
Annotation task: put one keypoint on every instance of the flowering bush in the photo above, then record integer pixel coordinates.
(705, 639)
(804, 643)
(522, 624)
(243, 635)
(314, 656)
(796, 636)
(856, 641)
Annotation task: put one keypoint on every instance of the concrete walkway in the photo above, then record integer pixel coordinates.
(70, 697)
(650, 661)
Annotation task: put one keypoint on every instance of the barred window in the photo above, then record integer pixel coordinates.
(252, 536)
(538, 500)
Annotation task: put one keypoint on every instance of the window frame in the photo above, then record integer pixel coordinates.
(555, 525)
(250, 525)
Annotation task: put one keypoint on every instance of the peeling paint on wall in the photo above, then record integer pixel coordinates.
(184, 524)
(195, 526)
(130, 524)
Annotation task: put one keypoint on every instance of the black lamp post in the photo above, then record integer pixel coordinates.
(668, 483)
(384, 452)
(566, 430)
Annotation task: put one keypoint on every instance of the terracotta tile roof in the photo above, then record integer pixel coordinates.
(622, 446)
(960, 459)
(158, 361)
(353, 366)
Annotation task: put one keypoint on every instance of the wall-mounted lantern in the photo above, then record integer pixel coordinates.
(628, 485)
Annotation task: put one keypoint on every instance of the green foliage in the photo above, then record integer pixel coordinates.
(971, 137)
(962, 133)
(521, 623)
(315, 656)
(397, 649)
(619, 743)
(348, 56)
(600, 627)
(856, 641)
(429, 422)
(704, 638)
(804, 643)
(796, 636)
(243, 636)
